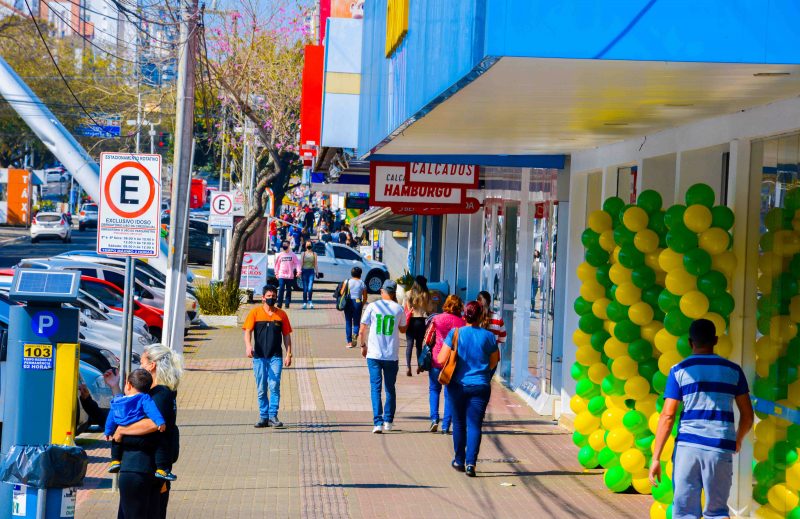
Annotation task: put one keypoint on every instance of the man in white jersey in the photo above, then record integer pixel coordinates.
(381, 325)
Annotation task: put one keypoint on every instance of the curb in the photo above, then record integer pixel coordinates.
(12, 240)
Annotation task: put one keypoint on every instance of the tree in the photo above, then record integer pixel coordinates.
(255, 63)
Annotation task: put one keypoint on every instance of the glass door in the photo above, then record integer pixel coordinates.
(507, 296)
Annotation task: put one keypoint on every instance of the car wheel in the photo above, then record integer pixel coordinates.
(374, 281)
(81, 227)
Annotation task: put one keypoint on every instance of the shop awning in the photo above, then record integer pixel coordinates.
(382, 219)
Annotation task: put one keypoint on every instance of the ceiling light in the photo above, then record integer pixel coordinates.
(771, 74)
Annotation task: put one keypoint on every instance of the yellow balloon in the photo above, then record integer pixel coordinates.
(761, 450)
(694, 304)
(661, 277)
(658, 510)
(786, 243)
(619, 274)
(619, 440)
(592, 291)
(767, 512)
(697, 218)
(762, 367)
(724, 262)
(577, 404)
(612, 417)
(586, 423)
(597, 440)
(615, 255)
(764, 284)
(646, 404)
(714, 240)
(616, 401)
(587, 355)
(632, 460)
(652, 422)
(586, 272)
(781, 329)
(649, 330)
(667, 360)
(665, 341)
(670, 260)
(599, 221)
(640, 313)
(636, 387)
(597, 372)
(793, 477)
(669, 448)
(770, 264)
(646, 241)
(767, 350)
(614, 348)
(628, 294)
(635, 218)
(680, 282)
(719, 322)
(599, 308)
(651, 260)
(641, 482)
(607, 242)
(624, 367)
(782, 498)
(766, 431)
(609, 327)
(581, 338)
(794, 309)
(724, 346)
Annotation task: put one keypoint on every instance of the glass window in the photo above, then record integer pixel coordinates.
(88, 272)
(345, 253)
(319, 248)
(103, 293)
(115, 278)
(48, 218)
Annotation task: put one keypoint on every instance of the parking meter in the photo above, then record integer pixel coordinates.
(41, 387)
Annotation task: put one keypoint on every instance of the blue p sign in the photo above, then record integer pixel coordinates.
(44, 324)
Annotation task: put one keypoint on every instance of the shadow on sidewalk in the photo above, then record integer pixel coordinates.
(373, 485)
(522, 473)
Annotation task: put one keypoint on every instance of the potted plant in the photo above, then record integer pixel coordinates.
(404, 284)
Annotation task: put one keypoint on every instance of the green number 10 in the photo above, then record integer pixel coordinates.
(385, 324)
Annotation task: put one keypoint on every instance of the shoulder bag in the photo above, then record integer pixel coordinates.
(344, 295)
(429, 341)
(449, 366)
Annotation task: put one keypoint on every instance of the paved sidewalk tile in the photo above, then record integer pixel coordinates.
(328, 464)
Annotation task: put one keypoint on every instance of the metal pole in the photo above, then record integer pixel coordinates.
(181, 180)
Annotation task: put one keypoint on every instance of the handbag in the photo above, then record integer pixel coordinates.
(426, 358)
(344, 295)
(449, 366)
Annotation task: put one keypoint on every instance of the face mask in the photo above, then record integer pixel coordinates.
(285, 247)
(270, 301)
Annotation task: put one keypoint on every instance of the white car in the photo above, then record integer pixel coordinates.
(50, 225)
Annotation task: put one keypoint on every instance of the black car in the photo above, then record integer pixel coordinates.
(201, 248)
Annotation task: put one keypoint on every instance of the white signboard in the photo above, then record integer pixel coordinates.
(221, 214)
(457, 175)
(68, 496)
(238, 203)
(254, 271)
(389, 187)
(18, 501)
(128, 222)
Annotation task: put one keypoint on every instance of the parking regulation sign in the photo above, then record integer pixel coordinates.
(130, 199)
(221, 214)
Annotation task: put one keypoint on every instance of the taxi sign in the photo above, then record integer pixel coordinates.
(37, 356)
(130, 192)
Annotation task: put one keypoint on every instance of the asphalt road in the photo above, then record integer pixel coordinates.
(12, 253)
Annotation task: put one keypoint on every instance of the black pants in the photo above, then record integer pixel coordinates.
(162, 455)
(414, 336)
(136, 495)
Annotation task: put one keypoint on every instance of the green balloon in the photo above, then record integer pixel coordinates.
(616, 311)
(597, 405)
(579, 439)
(676, 323)
(648, 368)
(630, 257)
(626, 331)
(760, 494)
(713, 284)
(764, 472)
(697, 262)
(642, 276)
(775, 219)
(793, 435)
(607, 458)
(656, 223)
(611, 292)
(792, 200)
(596, 256)
(684, 348)
(649, 200)
(783, 455)
(700, 194)
(663, 491)
(659, 382)
(723, 304)
(766, 241)
(578, 371)
(794, 266)
(667, 301)
(599, 339)
(587, 457)
(590, 239)
(586, 389)
(782, 373)
(765, 388)
(680, 239)
(660, 403)
(617, 479)
(674, 216)
(622, 236)
(640, 350)
(644, 443)
(722, 216)
(785, 286)
(590, 323)
(613, 206)
(613, 386)
(601, 274)
(582, 306)
(792, 356)
(650, 295)
(794, 513)
(635, 422)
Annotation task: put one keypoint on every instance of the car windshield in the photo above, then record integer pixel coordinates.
(102, 292)
(90, 208)
(48, 218)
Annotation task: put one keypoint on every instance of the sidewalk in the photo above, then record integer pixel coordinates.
(12, 234)
(327, 463)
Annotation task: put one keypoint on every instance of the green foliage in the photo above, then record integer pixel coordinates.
(406, 280)
(219, 298)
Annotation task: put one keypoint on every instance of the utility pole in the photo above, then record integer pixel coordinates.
(181, 178)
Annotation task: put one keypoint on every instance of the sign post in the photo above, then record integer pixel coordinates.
(220, 220)
(128, 222)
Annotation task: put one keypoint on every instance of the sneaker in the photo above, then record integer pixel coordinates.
(114, 468)
(349, 345)
(287, 306)
(279, 305)
(470, 470)
(304, 306)
(457, 466)
(274, 422)
(446, 429)
(377, 429)
(165, 475)
(261, 424)
(434, 426)
(311, 305)
(387, 426)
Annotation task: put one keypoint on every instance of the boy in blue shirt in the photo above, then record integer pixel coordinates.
(708, 386)
(131, 407)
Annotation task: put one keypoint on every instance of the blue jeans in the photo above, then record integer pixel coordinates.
(352, 318)
(468, 405)
(434, 390)
(386, 370)
(696, 469)
(268, 377)
(285, 290)
(307, 276)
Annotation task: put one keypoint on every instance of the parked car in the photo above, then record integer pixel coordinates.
(201, 249)
(87, 217)
(50, 225)
(92, 256)
(99, 391)
(112, 296)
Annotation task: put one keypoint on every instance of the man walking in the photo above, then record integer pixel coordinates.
(381, 325)
(266, 331)
(287, 268)
(707, 384)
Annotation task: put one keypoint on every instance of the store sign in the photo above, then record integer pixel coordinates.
(254, 271)
(15, 209)
(388, 188)
(453, 175)
(470, 205)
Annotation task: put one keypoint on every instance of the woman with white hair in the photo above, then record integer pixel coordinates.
(140, 439)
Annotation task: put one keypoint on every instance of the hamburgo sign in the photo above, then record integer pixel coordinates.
(388, 188)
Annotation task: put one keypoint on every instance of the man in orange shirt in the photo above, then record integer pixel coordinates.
(266, 331)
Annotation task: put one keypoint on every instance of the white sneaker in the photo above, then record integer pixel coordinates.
(304, 306)
(311, 305)
(387, 426)
(377, 429)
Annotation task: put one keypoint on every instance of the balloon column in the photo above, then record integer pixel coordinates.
(647, 274)
(776, 472)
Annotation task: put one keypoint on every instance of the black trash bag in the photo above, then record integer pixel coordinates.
(44, 466)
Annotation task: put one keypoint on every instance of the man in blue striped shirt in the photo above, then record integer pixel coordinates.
(707, 385)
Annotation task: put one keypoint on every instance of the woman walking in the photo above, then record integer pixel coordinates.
(356, 292)
(470, 385)
(308, 272)
(491, 320)
(142, 491)
(440, 325)
(417, 306)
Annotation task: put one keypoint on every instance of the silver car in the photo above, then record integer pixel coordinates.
(87, 217)
(47, 225)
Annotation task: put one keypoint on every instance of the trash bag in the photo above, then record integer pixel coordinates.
(44, 466)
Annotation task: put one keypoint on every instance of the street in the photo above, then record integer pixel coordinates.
(12, 252)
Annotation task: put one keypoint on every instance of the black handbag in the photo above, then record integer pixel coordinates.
(426, 359)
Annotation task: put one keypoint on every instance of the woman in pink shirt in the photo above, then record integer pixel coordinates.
(287, 267)
(441, 325)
